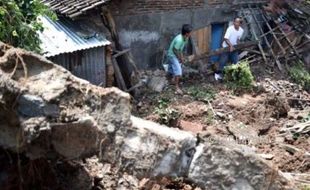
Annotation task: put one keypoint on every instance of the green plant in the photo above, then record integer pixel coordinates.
(201, 93)
(300, 75)
(209, 119)
(167, 116)
(305, 187)
(163, 103)
(19, 24)
(239, 76)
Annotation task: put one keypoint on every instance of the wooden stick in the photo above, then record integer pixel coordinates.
(285, 36)
(119, 53)
(256, 38)
(267, 42)
(270, 29)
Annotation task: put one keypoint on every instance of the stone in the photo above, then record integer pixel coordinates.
(266, 156)
(221, 167)
(53, 113)
(157, 83)
(148, 149)
(70, 119)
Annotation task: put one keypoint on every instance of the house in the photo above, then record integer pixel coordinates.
(147, 26)
(76, 46)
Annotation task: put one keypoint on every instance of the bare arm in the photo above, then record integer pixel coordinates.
(179, 55)
(231, 47)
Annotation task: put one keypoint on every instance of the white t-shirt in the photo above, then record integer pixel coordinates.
(232, 35)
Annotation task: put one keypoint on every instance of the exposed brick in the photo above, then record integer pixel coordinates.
(123, 7)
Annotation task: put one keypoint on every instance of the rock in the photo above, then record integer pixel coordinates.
(278, 106)
(244, 134)
(53, 113)
(220, 167)
(289, 148)
(187, 187)
(193, 109)
(157, 83)
(72, 119)
(266, 156)
(221, 115)
(147, 150)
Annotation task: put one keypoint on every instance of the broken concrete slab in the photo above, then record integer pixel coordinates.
(149, 149)
(91, 120)
(45, 110)
(224, 167)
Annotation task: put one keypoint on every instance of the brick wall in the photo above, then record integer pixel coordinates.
(126, 7)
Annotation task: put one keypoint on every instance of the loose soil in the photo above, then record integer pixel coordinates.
(253, 117)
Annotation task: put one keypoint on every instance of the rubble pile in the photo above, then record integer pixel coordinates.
(286, 88)
(49, 116)
(283, 32)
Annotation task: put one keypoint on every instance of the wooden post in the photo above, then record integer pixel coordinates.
(124, 61)
(109, 67)
(119, 77)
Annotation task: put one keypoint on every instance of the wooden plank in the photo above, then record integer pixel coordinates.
(256, 38)
(202, 38)
(285, 36)
(119, 53)
(222, 50)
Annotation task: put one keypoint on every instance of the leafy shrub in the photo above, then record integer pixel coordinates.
(239, 76)
(300, 75)
(19, 24)
(167, 116)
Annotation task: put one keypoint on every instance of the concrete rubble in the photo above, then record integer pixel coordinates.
(46, 112)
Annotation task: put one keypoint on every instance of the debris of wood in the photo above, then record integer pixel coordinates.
(278, 43)
(300, 128)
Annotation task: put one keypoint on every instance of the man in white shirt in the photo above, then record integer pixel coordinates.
(232, 37)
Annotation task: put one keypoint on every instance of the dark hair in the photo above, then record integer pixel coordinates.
(239, 19)
(186, 28)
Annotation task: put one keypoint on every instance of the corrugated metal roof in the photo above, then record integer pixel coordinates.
(73, 8)
(66, 36)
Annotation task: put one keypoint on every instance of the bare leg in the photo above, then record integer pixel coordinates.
(177, 86)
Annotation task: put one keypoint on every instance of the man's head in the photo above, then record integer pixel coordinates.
(186, 30)
(237, 22)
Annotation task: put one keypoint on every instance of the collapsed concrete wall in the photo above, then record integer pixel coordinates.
(46, 112)
(150, 150)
